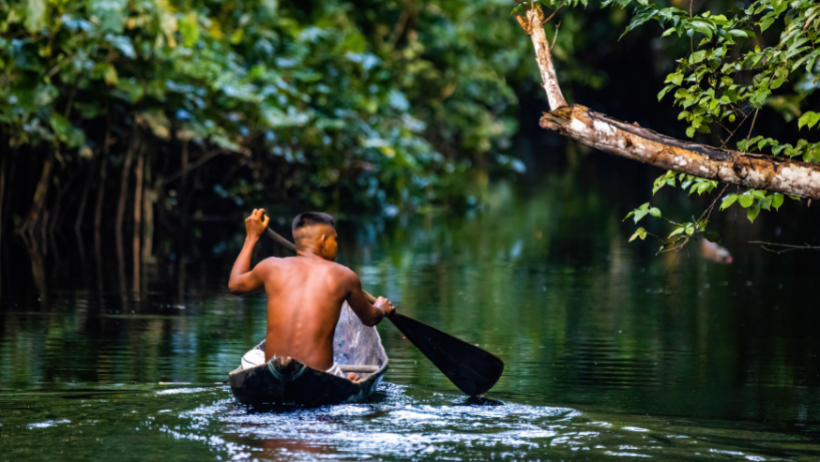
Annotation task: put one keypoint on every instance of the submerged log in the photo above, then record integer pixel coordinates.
(756, 171)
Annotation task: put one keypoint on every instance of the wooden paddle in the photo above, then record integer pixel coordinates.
(473, 370)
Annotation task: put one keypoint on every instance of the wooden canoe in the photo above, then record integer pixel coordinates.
(356, 348)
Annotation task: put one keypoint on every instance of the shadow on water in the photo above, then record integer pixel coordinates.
(609, 349)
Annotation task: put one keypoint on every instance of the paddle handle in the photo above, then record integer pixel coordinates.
(289, 245)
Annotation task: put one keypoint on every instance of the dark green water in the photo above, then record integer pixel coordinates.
(610, 351)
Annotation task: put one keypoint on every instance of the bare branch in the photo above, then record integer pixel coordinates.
(553, 14)
(788, 247)
(192, 166)
(753, 125)
(732, 132)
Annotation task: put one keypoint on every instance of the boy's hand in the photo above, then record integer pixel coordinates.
(385, 305)
(256, 223)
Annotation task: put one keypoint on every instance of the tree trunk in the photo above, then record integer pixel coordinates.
(58, 202)
(100, 198)
(2, 194)
(138, 218)
(148, 211)
(84, 199)
(183, 190)
(126, 174)
(101, 188)
(602, 132)
(40, 193)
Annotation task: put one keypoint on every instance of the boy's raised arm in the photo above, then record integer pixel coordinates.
(244, 280)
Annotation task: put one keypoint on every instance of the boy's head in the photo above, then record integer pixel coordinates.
(316, 231)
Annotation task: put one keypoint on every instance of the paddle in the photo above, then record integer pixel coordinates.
(473, 370)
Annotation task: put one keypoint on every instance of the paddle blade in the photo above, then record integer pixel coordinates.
(473, 370)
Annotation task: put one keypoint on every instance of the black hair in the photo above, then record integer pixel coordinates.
(312, 218)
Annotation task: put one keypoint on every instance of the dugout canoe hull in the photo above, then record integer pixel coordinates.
(285, 381)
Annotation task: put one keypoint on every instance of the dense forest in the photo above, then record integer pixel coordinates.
(147, 115)
(115, 111)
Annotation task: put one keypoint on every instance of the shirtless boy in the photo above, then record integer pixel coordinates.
(305, 292)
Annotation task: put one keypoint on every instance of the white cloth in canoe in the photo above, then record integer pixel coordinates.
(256, 357)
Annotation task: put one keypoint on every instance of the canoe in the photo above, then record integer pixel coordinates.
(356, 348)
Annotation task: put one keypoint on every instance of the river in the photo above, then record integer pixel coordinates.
(610, 350)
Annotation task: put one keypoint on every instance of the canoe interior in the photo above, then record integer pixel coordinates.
(356, 347)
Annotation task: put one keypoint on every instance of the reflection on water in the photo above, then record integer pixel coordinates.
(609, 350)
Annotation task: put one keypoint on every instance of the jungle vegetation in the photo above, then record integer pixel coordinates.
(114, 111)
(128, 113)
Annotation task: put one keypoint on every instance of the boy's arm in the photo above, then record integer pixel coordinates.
(370, 315)
(243, 279)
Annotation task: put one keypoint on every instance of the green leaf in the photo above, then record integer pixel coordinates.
(159, 123)
(765, 23)
(35, 15)
(777, 201)
(745, 200)
(809, 118)
(766, 204)
(189, 28)
(665, 91)
(111, 77)
(703, 27)
(67, 133)
(655, 212)
(639, 233)
(728, 201)
(131, 90)
(679, 230)
(752, 212)
(109, 14)
(697, 57)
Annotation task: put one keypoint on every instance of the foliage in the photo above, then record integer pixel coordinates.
(381, 102)
(733, 69)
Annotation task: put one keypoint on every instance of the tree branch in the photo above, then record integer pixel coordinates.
(788, 247)
(602, 132)
(534, 26)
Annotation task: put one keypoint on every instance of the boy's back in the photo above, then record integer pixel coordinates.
(306, 292)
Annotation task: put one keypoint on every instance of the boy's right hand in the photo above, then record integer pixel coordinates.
(385, 305)
(256, 223)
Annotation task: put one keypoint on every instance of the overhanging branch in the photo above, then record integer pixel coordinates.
(758, 171)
